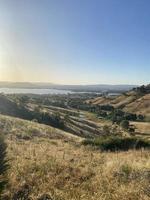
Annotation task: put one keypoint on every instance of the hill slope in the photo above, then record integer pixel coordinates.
(69, 120)
(135, 101)
(7, 106)
(118, 101)
(44, 160)
(26, 130)
(140, 106)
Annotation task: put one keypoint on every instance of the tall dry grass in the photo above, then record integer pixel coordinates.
(68, 171)
(54, 163)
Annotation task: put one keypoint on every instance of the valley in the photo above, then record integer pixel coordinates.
(76, 146)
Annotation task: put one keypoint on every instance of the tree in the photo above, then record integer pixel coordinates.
(140, 117)
(3, 163)
(125, 124)
(130, 117)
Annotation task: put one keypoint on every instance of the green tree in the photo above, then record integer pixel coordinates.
(125, 124)
(140, 117)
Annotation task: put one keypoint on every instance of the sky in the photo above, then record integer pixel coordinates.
(75, 41)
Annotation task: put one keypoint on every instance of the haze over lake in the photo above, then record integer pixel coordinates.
(32, 91)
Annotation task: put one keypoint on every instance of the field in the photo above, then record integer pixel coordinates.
(49, 161)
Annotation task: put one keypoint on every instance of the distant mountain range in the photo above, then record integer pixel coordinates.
(78, 88)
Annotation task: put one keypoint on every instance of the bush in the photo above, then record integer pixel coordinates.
(125, 124)
(130, 116)
(117, 143)
(117, 116)
(140, 117)
(3, 163)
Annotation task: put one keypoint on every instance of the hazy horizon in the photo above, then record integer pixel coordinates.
(39, 82)
(75, 42)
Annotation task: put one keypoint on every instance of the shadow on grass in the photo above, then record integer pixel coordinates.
(117, 143)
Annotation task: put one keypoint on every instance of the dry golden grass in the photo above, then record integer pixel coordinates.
(142, 128)
(131, 102)
(71, 172)
(121, 100)
(66, 170)
(93, 117)
(99, 101)
(28, 129)
(140, 106)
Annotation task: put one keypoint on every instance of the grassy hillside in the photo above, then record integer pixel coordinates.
(136, 101)
(140, 106)
(142, 129)
(7, 106)
(70, 120)
(25, 130)
(45, 160)
(117, 102)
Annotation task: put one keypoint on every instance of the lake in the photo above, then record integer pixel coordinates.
(33, 91)
(45, 91)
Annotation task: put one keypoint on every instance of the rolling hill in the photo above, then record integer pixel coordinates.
(140, 106)
(49, 162)
(69, 120)
(135, 101)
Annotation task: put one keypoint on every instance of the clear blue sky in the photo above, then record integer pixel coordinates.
(75, 41)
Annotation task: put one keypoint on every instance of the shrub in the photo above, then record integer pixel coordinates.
(140, 117)
(130, 116)
(125, 124)
(117, 143)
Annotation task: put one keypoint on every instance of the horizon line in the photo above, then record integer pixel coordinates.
(82, 84)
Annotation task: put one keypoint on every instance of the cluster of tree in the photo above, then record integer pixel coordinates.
(143, 89)
(58, 101)
(78, 103)
(117, 143)
(117, 115)
(49, 119)
(75, 100)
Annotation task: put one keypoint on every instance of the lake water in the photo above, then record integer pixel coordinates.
(43, 91)
(32, 91)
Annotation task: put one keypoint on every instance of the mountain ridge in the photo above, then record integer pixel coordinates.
(88, 88)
